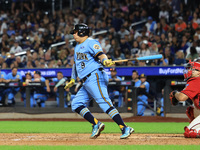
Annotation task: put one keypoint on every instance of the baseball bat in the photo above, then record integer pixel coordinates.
(140, 58)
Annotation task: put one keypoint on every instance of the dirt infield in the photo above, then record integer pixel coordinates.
(104, 139)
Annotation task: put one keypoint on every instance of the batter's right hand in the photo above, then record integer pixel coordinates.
(108, 62)
(70, 84)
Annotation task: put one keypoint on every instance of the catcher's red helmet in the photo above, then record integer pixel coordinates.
(189, 67)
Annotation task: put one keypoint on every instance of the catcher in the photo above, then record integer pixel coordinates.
(191, 91)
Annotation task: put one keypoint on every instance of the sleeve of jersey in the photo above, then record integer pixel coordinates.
(147, 86)
(42, 79)
(95, 48)
(54, 80)
(119, 78)
(74, 73)
(191, 89)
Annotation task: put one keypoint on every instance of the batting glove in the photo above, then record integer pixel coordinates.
(108, 62)
(172, 97)
(70, 84)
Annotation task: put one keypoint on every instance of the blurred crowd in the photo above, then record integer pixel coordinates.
(134, 28)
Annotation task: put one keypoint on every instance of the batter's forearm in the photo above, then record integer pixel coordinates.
(102, 57)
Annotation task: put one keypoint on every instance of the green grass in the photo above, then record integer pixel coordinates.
(85, 127)
(104, 147)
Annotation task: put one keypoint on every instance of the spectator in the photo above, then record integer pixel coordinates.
(115, 93)
(163, 61)
(169, 55)
(180, 26)
(4, 25)
(40, 94)
(193, 54)
(60, 80)
(123, 31)
(4, 44)
(114, 46)
(142, 63)
(19, 63)
(154, 49)
(184, 44)
(106, 46)
(144, 51)
(135, 49)
(197, 33)
(13, 76)
(179, 59)
(151, 25)
(16, 48)
(23, 4)
(160, 108)
(1, 61)
(11, 59)
(2, 89)
(28, 79)
(135, 78)
(125, 47)
(164, 14)
(142, 99)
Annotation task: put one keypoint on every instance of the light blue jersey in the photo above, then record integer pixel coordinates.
(85, 55)
(138, 83)
(142, 100)
(12, 91)
(17, 76)
(40, 94)
(146, 86)
(2, 75)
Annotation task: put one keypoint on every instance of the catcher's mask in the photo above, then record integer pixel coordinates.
(189, 68)
(82, 29)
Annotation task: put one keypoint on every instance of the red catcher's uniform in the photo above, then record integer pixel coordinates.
(192, 90)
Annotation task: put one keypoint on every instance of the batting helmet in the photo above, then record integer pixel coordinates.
(82, 29)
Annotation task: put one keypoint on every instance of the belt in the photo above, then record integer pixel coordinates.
(87, 76)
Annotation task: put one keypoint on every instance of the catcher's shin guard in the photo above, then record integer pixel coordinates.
(190, 113)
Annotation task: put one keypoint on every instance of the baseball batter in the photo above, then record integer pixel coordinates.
(88, 60)
(191, 91)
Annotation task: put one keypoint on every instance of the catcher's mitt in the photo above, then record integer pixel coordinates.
(172, 97)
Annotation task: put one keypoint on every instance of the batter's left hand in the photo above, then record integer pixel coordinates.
(70, 84)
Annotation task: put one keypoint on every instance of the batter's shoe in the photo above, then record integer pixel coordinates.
(126, 132)
(96, 131)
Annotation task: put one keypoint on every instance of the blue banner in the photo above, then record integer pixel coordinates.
(152, 71)
(121, 71)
